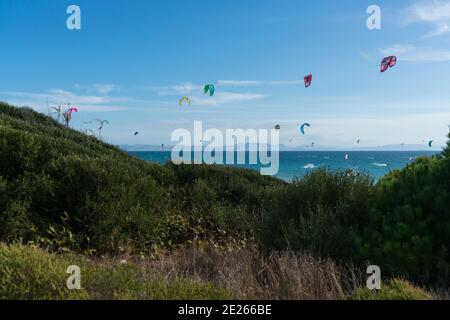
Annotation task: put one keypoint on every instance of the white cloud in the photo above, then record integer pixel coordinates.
(189, 88)
(435, 12)
(428, 56)
(397, 49)
(38, 101)
(177, 89)
(220, 98)
(439, 31)
(104, 89)
(430, 11)
(254, 83)
(224, 98)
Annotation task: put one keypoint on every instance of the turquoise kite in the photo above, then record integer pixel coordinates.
(209, 88)
(302, 128)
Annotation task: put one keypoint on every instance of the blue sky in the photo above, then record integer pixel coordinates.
(133, 60)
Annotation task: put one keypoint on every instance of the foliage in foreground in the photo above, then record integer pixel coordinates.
(27, 272)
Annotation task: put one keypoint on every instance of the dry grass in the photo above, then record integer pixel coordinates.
(249, 275)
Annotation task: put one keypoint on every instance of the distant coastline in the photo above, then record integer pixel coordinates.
(285, 148)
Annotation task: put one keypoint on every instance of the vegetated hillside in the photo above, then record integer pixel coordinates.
(65, 189)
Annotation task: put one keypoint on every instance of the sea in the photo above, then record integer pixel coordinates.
(296, 164)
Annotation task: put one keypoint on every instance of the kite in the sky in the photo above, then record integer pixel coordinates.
(430, 143)
(308, 80)
(359, 141)
(277, 127)
(184, 99)
(302, 128)
(68, 114)
(72, 109)
(312, 145)
(209, 88)
(388, 62)
(136, 133)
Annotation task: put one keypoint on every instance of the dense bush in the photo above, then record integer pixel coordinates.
(402, 223)
(408, 231)
(321, 214)
(66, 190)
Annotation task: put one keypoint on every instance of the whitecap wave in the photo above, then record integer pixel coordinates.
(376, 164)
(309, 166)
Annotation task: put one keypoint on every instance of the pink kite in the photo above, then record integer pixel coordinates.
(72, 110)
(308, 80)
(388, 62)
(68, 114)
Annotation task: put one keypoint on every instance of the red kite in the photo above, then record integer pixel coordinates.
(308, 81)
(388, 62)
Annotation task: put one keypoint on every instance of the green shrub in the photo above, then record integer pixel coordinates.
(30, 273)
(321, 213)
(409, 223)
(395, 289)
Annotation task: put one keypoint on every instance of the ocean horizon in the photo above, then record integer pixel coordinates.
(296, 164)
